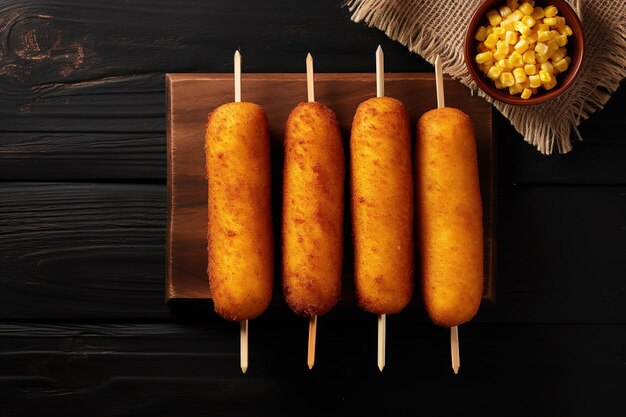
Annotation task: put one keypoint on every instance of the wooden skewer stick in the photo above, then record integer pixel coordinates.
(237, 76)
(313, 320)
(382, 318)
(243, 325)
(312, 336)
(454, 330)
(309, 78)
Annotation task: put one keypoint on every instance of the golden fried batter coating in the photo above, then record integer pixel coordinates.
(240, 237)
(382, 205)
(448, 216)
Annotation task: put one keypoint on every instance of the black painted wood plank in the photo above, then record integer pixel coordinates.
(597, 159)
(188, 370)
(82, 250)
(93, 66)
(82, 156)
(97, 251)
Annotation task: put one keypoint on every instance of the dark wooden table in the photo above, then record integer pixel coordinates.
(84, 329)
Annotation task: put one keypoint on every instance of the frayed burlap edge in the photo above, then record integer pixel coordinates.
(546, 126)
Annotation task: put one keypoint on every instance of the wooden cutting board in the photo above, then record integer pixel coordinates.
(190, 98)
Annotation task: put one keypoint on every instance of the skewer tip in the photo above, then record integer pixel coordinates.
(382, 340)
(312, 340)
(454, 349)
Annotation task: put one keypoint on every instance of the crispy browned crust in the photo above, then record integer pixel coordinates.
(313, 205)
(449, 216)
(382, 205)
(240, 237)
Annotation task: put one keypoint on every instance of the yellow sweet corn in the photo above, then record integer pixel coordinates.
(520, 75)
(491, 41)
(493, 17)
(535, 81)
(481, 34)
(515, 89)
(526, 8)
(550, 11)
(511, 37)
(516, 60)
(530, 69)
(561, 64)
(484, 57)
(537, 13)
(494, 73)
(541, 48)
(504, 11)
(544, 76)
(521, 46)
(528, 57)
(507, 79)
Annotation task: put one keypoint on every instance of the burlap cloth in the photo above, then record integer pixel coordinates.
(431, 27)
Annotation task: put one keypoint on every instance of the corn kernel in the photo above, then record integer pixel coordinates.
(507, 79)
(498, 84)
(531, 38)
(512, 4)
(528, 57)
(493, 17)
(540, 48)
(515, 16)
(484, 57)
(520, 75)
(522, 28)
(511, 37)
(491, 41)
(561, 65)
(515, 59)
(542, 26)
(504, 11)
(541, 58)
(499, 32)
(526, 8)
(544, 76)
(568, 59)
(530, 69)
(507, 25)
(537, 13)
(535, 81)
(550, 21)
(552, 45)
(557, 55)
(480, 48)
(521, 46)
(484, 67)
(528, 21)
(505, 64)
(547, 67)
(561, 40)
(515, 89)
(494, 73)
(560, 21)
(550, 11)
(550, 84)
(543, 35)
(481, 34)
(525, 83)
(526, 93)
(566, 30)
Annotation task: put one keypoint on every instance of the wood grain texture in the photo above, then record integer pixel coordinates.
(192, 96)
(127, 369)
(78, 250)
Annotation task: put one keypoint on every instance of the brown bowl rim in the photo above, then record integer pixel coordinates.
(483, 83)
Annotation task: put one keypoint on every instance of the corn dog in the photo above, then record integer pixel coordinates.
(313, 204)
(449, 216)
(240, 237)
(382, 205)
